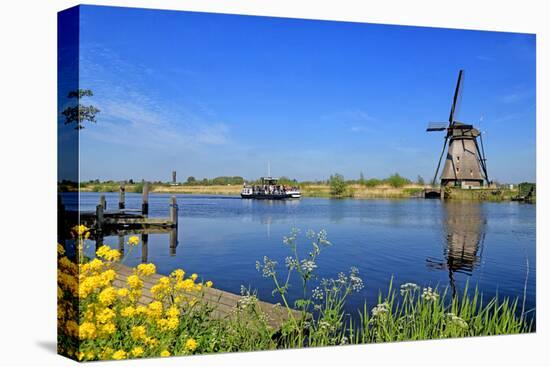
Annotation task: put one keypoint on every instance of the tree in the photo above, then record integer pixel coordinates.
(361, 178)
(420, 180)
(79, 113)
(191, 180)
(396, 180)
(337, 185)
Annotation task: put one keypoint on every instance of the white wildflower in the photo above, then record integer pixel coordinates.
(408, 287)
(380, 310)
(429, 294)
(308, 266)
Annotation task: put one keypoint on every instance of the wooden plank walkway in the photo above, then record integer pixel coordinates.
(224, 303)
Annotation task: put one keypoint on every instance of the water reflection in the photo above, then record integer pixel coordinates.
(464, 234)
(173, 242)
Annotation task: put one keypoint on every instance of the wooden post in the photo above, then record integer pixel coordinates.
(98, 239)
(121, 197)
(144, 247)
(121, 244)
(174, 211)
(145, 199)
(173, 241)
(99, 217)
(103, 202)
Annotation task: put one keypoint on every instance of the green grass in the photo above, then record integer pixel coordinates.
(396, 317)
(408, 313)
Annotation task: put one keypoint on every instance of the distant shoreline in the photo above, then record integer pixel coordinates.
(355, 191)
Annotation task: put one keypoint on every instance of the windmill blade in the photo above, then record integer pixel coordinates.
(456, 97)
(483, 159)
(439, 162)
(437, 126)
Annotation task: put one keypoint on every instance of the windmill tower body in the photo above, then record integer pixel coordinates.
(462, 165)
(465, 162)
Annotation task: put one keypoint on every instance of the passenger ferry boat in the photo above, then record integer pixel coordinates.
(270, 190)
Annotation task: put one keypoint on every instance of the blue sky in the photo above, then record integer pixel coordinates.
(211, 95)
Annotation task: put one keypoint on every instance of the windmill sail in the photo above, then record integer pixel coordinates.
(464, 163)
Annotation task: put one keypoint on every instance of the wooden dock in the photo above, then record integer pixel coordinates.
(223, 303)
(104, 221)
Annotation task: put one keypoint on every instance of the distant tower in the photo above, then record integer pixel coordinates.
(465, 164)
(174, 177)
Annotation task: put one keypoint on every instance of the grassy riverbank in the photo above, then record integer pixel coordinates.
(356, 191)
(314, 190)
(101, 318)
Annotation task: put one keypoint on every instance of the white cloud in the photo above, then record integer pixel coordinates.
(131, 114)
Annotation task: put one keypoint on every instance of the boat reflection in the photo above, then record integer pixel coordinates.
(464, 234)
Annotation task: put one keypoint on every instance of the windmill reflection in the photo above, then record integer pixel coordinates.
(464, 232)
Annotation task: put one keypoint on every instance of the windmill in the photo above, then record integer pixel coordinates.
(465, 164)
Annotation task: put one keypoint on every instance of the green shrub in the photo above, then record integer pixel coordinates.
(138, 188)
(396, 180)
(373, 182)
(338, 186)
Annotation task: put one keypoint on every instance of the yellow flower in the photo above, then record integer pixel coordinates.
(133, 240)
(141, 310)
(168, 324)
(137, 352)
(134, 282)
(105, 315)
(152, 342)
(102, 251)
(123, 292)
(138, 332)
(119, 354)
(172, 323)
(155, 309)
(60, 249)
(106, 353)
(146, 269)
(108, 276)
(173, 311)
(135, 294)
(185, 285)
(128, 311)
(80, 355)
(109, 328)
(113, 255)
(165, 353)
(107, 296)
(108, 254)
(194, 276)
(190, 344)
(209, 284)
(86, 330)
(81, 229)
(94, 265)
(178, 274)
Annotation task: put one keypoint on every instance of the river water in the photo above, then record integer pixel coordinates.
(427, 242)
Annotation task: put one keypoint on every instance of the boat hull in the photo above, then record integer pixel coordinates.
(269, 196)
